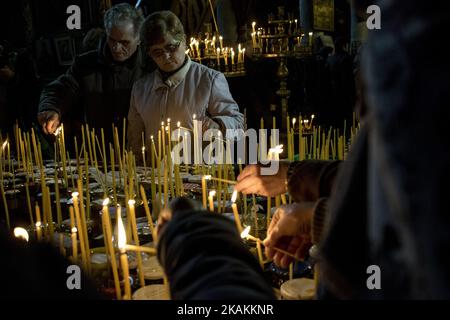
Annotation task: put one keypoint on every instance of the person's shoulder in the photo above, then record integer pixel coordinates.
(201, 69)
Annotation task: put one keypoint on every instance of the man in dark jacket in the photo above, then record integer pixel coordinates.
(96, 89)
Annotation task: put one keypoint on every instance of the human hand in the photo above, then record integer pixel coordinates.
(250, 181)
(290, 230)
(49, 120)
(208, 123)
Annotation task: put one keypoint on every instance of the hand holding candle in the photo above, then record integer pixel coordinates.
(289, 233)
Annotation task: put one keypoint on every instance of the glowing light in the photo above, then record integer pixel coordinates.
(21, 233)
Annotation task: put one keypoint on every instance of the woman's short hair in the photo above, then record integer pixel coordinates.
(158, 25)
(121, 13)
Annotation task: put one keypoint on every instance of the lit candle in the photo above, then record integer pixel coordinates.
(108, 239)
(239, 53)
(38, 222)
(254, 39)
(296, 25)
(221, 42)
(214, 43)
(225, 56)
(232, 56)
(74, 244)
(218, 57)
(38, 230)
(73, 235)
(80, 229)
(197, 49)
(212, 193)
(204, 178)
(246, 235)
(237, 220)
(310, 39)
(191, 45)
(253, 26)
(122, 242)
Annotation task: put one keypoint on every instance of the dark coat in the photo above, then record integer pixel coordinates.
(205, 258)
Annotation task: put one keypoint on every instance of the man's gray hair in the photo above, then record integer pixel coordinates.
(121, 13)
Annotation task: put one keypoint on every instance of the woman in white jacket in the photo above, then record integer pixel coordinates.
(179, 88)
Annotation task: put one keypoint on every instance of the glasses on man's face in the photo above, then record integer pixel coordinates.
(170, 49)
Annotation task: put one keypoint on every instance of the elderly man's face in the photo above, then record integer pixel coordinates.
(123, 41)
(169, 54)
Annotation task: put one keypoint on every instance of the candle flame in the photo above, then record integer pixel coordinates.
(58, 131)
(244, 234)
(131, 202)
(253, 23)
(212, 193)
(4, 145)
(143, 148)
(151, 137)
(178, 124)
(194, 116)
(294, 120)
(122, 238)
(21, 233)
(278, 149)
(75, 194)
(74, 230)
(168, 120)
(310, 34)
(38, 224)
(207, 177)
(105, 202)
(312, 116)
(234, 196)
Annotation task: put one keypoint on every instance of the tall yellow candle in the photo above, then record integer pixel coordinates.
(204, 178)
(108, 239)
(148, 213)
(74, 244)
(122, 242)
(80, 228)
(237, 220)
(212, 193)
(132, 217)
(73, 230)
